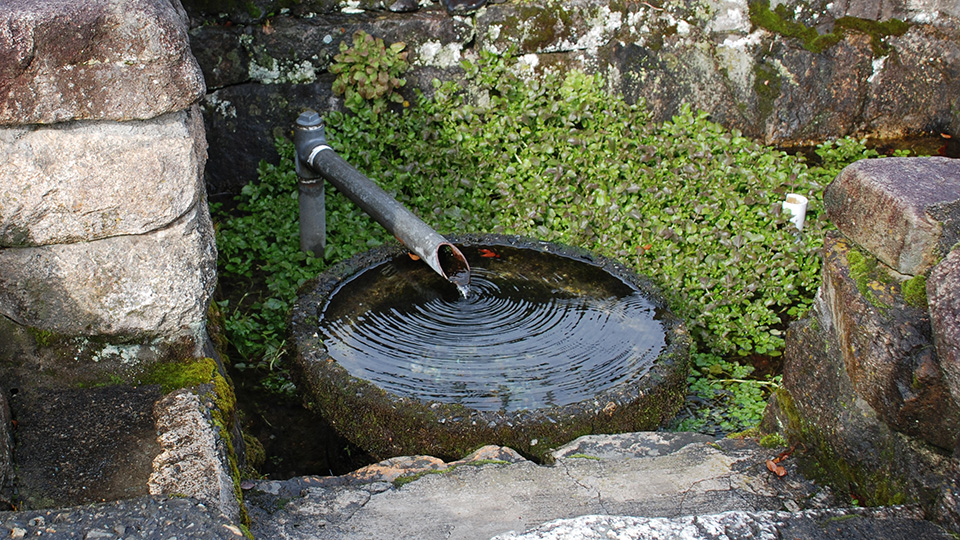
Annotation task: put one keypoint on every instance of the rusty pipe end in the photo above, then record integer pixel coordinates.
(452, 265)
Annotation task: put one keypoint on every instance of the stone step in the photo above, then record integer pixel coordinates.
(890, 523)
(666, 476)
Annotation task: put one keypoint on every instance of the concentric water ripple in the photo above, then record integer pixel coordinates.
(536, 330)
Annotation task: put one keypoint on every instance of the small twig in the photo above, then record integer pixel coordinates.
(751, 381)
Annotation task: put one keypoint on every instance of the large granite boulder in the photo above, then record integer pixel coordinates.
(843, 442)
(134, 287)
(886, 347)
(97, 59)
(84, 181)
(905, 211)
(943, 294)
(104, 228)
(870, 378)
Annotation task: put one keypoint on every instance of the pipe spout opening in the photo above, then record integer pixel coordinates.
(454, 266)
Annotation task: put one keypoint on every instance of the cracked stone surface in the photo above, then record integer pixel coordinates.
(866, 523)
(666, 475)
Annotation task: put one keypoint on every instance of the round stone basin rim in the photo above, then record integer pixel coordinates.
(332, 386)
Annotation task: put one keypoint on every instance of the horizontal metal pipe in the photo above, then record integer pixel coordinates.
(439, 254)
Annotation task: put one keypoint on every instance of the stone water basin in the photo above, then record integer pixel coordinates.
(551, 343)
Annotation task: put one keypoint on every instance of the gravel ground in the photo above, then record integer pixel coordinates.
(141, 518)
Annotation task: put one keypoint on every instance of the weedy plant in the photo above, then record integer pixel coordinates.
(369, 71)
(687, 202)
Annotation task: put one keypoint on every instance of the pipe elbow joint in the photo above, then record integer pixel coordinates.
(309, 137)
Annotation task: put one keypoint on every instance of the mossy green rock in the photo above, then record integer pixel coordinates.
(865, 451)
(886, 346)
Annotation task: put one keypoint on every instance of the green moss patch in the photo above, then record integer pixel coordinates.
(850, 475)
(183, 374)
(766, 84)
(864, 272)
(780, 20)
(915, 292)
(404, 480)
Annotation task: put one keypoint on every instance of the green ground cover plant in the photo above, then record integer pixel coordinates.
(687, 202)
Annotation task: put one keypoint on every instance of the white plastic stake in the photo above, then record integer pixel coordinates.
(797, 206)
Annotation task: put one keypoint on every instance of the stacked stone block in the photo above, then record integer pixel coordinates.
(104, 227)
(107, 254)
(872, 377)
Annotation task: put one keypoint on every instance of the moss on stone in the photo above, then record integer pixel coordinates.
(767, 86)
(108, 380)
(772, 440)
(538, 26)
(877, 30)
(43, 338)
(863, 271)
(583, 456)
(404, 480)
(823, 463)
(781, 21)
(183, 374)
(196, 372)
(256, 454)
(915, 291)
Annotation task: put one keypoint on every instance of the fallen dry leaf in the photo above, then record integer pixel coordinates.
(776, 468)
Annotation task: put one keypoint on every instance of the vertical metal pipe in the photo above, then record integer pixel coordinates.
(313, 213)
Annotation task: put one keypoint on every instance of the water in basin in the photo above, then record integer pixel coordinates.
(537, 330)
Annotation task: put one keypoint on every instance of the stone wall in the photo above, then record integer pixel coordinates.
(107, 261)
(104, 226)
(785, 72)
(872, 377)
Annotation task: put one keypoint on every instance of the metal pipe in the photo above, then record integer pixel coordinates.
(313, 220)
(316, 161)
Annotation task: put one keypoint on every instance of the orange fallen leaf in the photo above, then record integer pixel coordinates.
(776, 468)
